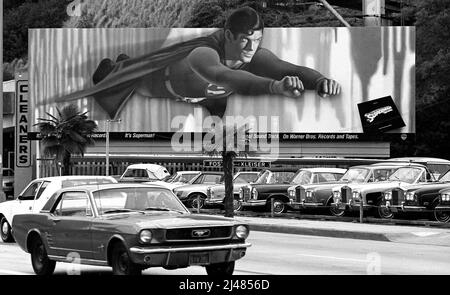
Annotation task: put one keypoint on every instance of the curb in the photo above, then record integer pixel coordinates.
(286, 229)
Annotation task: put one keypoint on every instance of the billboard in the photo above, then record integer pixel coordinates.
(374, 66)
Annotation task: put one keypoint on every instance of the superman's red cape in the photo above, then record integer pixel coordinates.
(118, 86)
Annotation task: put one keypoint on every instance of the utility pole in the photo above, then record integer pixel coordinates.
(107, 123)
(2, 193)
(374, 12)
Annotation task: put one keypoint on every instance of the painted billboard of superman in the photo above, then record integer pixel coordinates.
(205, 71)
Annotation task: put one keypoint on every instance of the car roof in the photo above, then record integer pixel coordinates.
(188, 172)
(95, 187)
(420, 160)
(325, 169)
(75, 177)
(396, 164)
(212, 172)
(281, 169)
(151, 167)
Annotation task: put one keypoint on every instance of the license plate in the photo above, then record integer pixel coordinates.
(341, 206)
(199, 258)
(393, 209)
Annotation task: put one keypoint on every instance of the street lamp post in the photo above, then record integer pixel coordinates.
(107, 123)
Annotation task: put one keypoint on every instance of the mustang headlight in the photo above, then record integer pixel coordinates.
(145, 236)
(241, 193)
(309, 194)
(254, 193)
(410, 196)
(388, 196)
(336, 194)
(241, 232)
(356, 195)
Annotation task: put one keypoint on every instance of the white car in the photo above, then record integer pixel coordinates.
(144, 172)
(178, 179)
(37, 193)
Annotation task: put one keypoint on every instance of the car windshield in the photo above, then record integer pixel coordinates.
(140, 199)
(184, 177)
(208, 178)
(277, 177)
(406, 174)
(262, 179)
(355, 175)
(302, 177)
(381, 174)
(8, 172)
(445, 177)
(245, 178)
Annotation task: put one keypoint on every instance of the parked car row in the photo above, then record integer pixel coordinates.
(382, 189)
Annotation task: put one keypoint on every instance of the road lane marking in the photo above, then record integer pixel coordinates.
(14, 273)
(332, 257)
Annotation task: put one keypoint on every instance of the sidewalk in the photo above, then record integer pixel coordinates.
(351, 230)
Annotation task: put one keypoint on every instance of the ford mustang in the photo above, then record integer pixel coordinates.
(130, 227)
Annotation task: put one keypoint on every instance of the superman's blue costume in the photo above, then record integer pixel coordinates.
(156, 75)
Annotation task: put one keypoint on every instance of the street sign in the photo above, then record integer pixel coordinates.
(22, 144)
(238, 163)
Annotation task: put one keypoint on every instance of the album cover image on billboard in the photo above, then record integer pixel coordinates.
(380, 115)
(115, 73)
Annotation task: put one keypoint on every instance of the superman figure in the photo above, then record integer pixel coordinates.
(205, 71)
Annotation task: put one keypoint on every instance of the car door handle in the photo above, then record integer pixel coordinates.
(55, 220)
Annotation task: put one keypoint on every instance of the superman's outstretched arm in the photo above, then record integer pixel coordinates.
(267, 64)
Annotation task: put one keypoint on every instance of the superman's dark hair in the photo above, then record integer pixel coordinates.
(244, 20)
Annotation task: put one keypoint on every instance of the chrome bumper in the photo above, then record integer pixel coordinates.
(254, 203)
(139, 250)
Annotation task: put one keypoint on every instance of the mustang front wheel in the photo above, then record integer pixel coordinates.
(220, 269)
(121, 262)
(6, 231)
(42, 265)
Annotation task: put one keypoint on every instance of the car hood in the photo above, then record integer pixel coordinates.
(320, 186)
(269, 188)
(429, 187)
(168, 185)
(194, 187)
(168, 220)
(220, 189)
(378, 186)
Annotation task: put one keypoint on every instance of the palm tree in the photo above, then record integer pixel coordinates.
(228, 142)
(66, 135)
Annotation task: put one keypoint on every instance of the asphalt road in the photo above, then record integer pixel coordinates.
(287, 254)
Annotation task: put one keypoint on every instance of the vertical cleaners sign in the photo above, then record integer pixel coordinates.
(23, 145)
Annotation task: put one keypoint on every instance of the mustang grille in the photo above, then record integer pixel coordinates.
(177, 234)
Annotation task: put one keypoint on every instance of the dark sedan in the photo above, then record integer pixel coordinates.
(129, 227)
(273, 185)
(443, 208)
(419, 198)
